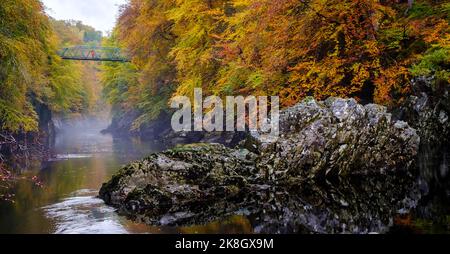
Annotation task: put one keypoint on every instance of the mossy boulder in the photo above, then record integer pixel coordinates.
(186, 184)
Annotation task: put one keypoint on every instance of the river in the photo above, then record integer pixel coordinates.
(82, 159)
(66, 203)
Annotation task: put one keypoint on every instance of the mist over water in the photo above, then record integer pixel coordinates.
(82, 159)
(83, 137)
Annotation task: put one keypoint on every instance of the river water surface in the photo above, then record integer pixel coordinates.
(82, 159)
(66, 203)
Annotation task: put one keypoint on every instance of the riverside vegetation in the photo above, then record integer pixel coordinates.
(36, 86)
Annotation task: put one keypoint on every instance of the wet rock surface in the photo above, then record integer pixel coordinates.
(350, 205)
(428, 111)
(184, 185)
(301, 183)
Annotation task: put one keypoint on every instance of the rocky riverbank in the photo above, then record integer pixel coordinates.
(160, 129)
(338, 167)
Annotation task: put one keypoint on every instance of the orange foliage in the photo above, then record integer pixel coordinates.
(349, 48)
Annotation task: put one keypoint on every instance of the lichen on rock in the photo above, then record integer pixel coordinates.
(338, 137)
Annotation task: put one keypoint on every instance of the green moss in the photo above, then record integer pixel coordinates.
(309, 99)
(193, 148)
(135, 194)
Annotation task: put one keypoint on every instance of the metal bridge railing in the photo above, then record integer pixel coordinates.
(93, 53)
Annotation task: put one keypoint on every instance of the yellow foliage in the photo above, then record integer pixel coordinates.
(30, 70)
(350, 48)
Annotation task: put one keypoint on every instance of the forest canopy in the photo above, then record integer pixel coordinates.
(31, 72)
(365, 49)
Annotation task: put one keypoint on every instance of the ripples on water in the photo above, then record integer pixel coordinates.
(84, 213)
(82, 159)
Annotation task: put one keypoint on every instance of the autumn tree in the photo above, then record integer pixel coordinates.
(365, 49)
(33, 76)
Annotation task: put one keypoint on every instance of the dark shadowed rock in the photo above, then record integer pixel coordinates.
(428, 111)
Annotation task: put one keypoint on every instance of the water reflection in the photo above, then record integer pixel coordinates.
(84, 213)
(82, 159)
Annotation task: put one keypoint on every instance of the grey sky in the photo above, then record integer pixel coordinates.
(100, 14)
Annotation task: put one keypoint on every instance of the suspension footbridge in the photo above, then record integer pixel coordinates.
(93, 53)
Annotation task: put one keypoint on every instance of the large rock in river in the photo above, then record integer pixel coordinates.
(198, 183)
(187, 184)
(338, 137)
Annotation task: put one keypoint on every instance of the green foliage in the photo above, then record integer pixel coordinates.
(12, 119)
(120, 87)
(68, 33)
(392, 38)
(421, 10)
(71, 32)
(84, 91)
(31, 71)
(118, 79)
(435, 62)
(92, 36)
(24, 30)
(69, 91)
(145, 86)
(150, 107)
(445, 10)
(66, 92)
